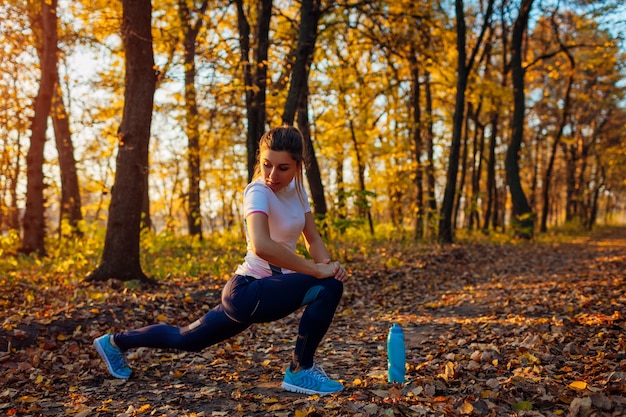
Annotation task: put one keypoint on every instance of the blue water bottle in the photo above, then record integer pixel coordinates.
(396, 356)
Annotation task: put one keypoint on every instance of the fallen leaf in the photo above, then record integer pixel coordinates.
(578, 385)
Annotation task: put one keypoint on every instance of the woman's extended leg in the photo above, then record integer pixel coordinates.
(214, 327)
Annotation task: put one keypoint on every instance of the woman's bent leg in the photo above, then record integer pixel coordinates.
(213, 327)
(283, 294)
(315, 321)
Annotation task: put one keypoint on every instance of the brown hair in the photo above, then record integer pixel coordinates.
(284, 138)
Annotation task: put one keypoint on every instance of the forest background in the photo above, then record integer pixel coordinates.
(422, 118)
(425, 122)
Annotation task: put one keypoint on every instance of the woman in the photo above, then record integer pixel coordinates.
(272, 282)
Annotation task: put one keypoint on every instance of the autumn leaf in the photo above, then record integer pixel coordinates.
(466, 408)
(522, 405)
(28, 399)
(578, 385)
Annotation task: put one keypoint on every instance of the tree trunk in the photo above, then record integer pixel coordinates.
(417, 145)
(120, 257)
(464, 66)
(340, 207)
(70, 192)
(593, 206)
(34, 221)
(254, 74)
(13, 215)
(477, 170)
(362, 202)
(460, 192)
(445, 223)
(297, 98)
(192, 128)
(522, 216)
(430, 149)
(490, 204)
(570, 153)
(310, 14)
(313, 173)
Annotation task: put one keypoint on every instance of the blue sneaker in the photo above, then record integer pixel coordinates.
(310, 381)
(114, 357)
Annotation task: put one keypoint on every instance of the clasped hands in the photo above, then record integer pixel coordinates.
(332, 269)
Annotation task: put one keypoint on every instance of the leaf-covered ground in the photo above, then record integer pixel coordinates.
(491, 330)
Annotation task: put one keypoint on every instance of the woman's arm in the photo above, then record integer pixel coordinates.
(313, 241)
(275, 253)
(317, 249)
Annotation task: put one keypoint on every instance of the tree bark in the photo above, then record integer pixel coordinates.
(313, 173)
(307, 36)
(418, 145)
(254, 74)
(34, 215)
(192, 128)
(362, 202)
(430, 165)
(445, 223)
(460, 190)
(490, 204)
(120, 257)
(297, 98)
(477, 170)
(70, 191)
(522, 216)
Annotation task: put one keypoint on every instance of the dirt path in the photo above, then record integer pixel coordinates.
(491, 330)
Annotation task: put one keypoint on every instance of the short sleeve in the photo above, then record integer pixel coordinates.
(255, 199)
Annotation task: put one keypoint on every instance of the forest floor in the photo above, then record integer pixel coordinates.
(534, 329)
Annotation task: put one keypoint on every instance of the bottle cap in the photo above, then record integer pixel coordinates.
(396, 328)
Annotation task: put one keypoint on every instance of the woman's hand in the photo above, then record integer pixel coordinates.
(332, 269)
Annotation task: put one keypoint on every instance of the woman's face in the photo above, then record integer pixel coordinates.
(278, 168)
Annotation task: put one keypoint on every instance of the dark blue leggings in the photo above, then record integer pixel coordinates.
(246, 300)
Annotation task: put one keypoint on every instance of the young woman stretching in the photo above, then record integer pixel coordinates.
(271, 283)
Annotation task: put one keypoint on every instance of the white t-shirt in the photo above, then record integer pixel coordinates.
(285, 214)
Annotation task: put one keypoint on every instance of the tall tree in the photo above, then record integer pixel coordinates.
(297, 97)
(34, 216)
(254, 72)
(70, 210)
(464, 66)
(191, 28)
(120, 257)
(430, 150)
(70, 205)
(491, 206)
(522, 216)
(418, 144)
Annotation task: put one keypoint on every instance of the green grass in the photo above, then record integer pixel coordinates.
(71, 259)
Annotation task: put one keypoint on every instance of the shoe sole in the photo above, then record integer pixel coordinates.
(100, 350)
(300, 390)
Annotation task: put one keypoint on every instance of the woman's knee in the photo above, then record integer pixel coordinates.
(336, 286)
(333, 289)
